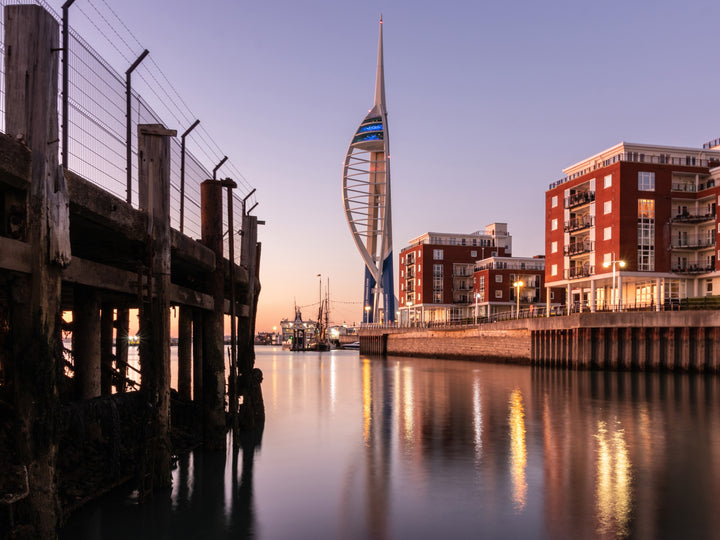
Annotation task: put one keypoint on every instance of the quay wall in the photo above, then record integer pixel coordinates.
(675, 341)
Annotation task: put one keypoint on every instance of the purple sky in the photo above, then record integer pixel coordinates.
(487, 104)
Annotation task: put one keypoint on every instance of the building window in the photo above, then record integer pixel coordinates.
(552, 295)
(419, 282)
(402, 273)
(554, 201)
(473, 253)
(607, 233)
(498, 294)
(498, 278)
(481, 289)
(607, 259)
(608, 181)
(553, 247)
(553, 270)
(646, 234)
(553, 225)
(646, 181)
(438, 254)
(607, 207)
(419, 298)
(419, 268)
(437, 271)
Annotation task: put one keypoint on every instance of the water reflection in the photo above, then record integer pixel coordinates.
(364, 447)
(613, 491)
(518, 450)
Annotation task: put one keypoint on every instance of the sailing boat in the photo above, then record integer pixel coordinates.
(321, 342)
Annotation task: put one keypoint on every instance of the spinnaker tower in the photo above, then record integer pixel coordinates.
(366, 196)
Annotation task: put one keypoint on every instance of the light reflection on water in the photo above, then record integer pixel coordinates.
(365, 447)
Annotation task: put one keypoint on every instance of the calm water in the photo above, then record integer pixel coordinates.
(402, 448)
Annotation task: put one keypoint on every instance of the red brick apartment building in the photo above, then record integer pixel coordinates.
(447, 277)
(635, 226)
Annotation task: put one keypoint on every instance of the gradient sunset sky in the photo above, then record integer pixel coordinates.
(487, 103)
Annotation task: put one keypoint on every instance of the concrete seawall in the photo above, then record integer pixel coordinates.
(679, 341)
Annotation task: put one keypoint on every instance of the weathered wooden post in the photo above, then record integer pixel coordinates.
(31, 83)
(86, 343)
(252, 411)
(122, 325)
(185, 353)
(197, 355)
(213, 362)
(154, 198)
(107, 329)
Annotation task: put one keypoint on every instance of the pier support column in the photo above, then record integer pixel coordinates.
(684, 348)
(185, 353)
(122, 325)
(86, 343)
(251, 413)
(670, 349)
(642, 348)
(712, 351)
(626, 349)
(652, 336)
(612, 336)
(701, 361)
(107, 328)
(213, 322)
(154, 198)
(31, 88)
(197, 355)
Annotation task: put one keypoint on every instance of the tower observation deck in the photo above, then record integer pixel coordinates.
(366, 196)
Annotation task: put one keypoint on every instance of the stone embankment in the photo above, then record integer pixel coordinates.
(683, 341)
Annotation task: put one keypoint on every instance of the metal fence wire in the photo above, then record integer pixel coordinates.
(97, 131)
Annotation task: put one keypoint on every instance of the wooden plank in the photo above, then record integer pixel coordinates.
(15, 255)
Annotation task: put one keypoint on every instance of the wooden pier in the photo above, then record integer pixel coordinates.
(71, 424)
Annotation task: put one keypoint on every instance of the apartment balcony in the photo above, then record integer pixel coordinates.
(687, 217)
(693, 242)
(577, 272)
(580, 223)
(462, 274)
(463, 287)
(410, 260)
(578, 248)
(410, 273)
(692, 268)
(686, 187)
(410, 287)
(579, 199)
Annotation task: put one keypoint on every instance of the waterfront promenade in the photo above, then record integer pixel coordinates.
(643, 340)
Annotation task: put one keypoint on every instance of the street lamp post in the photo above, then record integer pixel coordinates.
(367, 313)
(612, 263)
(517, 285)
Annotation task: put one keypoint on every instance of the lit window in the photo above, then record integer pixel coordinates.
(608, 181)
(553, 225)
(607, 207)
(553, 249)
(553, 270)
(607, 233)
(554, 202)
(646, 181)
(419, 282)
(607, 259)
